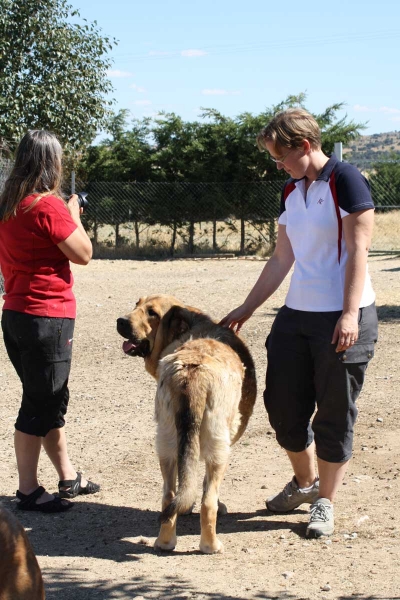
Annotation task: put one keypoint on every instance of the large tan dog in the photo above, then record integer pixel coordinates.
(20, 575)
(206, 389)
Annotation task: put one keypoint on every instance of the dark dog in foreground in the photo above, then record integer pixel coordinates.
(20, 575)
(206, 390)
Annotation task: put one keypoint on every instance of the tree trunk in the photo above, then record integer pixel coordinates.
(137, 234)
(191, 237)
(117, 238)
(173, 239)
(214, 237)
(242, 235)
(272, 234)
(95, 232)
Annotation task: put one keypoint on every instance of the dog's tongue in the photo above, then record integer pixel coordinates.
(128, 346)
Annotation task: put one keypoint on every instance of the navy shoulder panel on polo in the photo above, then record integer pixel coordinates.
(353, 190)
(348, 185)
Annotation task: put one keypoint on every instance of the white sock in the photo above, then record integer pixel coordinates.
(307, 489)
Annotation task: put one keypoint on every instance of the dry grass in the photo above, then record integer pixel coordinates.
(387, 231)
(156, 240)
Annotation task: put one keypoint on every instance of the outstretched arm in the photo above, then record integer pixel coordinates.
(274, 272)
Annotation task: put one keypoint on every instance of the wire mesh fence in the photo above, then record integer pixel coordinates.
(181, 218)
(5, 168)
(127, 220)
(386, 195)
(132, 220)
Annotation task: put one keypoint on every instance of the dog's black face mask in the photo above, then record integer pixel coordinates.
(132, 346)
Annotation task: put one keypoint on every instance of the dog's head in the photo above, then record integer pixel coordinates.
(153, 324)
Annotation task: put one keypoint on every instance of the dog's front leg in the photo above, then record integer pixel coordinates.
(167, 536)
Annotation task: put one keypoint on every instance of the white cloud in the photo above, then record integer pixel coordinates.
(390, 111)
(218, 92)
(360, 108)
(143, 102)
(383, 109)
(117, 73)
(137, 88)
(193, 53)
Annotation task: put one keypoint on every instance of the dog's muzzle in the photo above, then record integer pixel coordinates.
(131, 345)
(124, 327)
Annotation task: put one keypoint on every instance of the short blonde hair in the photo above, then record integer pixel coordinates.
(289, 128)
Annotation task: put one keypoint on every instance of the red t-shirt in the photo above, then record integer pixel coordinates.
(37, 275)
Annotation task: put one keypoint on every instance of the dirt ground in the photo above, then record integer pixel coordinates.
(102, 548)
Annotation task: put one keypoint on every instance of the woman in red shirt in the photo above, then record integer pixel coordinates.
(39, 234)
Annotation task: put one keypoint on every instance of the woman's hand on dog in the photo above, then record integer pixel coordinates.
(236, 318)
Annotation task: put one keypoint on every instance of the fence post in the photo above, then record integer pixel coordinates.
(338, 151)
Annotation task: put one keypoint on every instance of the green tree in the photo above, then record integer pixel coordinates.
(215, 149)
(111, 167)
(53, 72)
(128, 156)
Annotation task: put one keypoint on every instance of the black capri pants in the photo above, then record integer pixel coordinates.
(305, 373)
(40, 349)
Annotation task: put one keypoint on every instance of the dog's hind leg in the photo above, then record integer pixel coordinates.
(167, 536)
(209, 543)
(222, 508)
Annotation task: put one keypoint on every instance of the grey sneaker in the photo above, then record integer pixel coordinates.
(291, 497)
(321, 519)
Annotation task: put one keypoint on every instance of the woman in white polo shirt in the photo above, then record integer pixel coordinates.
(323, 337)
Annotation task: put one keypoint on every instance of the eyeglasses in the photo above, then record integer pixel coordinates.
(281, 160)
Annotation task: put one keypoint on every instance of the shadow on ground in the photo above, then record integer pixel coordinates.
(116, 533)
(394, 270)
(388, 313)
(171, 588)
(108, 532)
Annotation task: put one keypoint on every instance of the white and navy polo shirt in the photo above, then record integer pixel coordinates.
(314, 227)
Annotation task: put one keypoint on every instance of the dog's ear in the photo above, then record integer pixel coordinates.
(176, 322)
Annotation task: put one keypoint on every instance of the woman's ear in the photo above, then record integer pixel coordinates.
(306, 146)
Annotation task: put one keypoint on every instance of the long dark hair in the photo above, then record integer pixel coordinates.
(37, 169)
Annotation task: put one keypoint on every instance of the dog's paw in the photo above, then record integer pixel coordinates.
(222, 509)
(216, 548)
(166, 546)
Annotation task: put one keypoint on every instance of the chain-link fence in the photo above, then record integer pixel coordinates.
(386, 195)
(5, 167)
(137, 219)
(127, 220)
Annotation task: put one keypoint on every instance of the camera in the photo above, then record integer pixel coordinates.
(82, 201)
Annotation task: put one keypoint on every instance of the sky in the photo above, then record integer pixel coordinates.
(237, 56)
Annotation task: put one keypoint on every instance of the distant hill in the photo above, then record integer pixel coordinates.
(369, 149)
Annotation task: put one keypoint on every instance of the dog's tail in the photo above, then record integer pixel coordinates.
(188, 422)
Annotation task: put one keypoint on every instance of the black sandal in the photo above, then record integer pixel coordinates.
(75, 488)
(28, 502)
